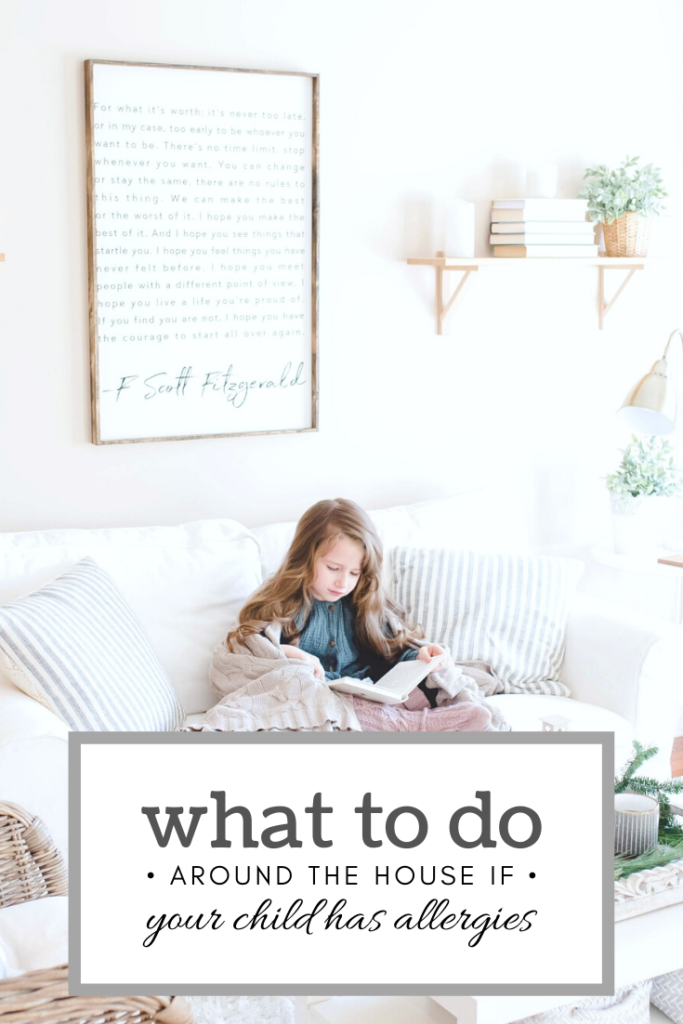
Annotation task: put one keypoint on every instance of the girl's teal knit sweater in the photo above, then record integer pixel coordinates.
(329, 634)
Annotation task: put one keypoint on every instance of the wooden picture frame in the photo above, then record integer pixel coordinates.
(247, 362)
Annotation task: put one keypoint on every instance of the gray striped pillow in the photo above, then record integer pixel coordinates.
(508, 610)
(76, 646)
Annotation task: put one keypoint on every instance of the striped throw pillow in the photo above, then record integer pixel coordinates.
(508, 610)
(76, 647)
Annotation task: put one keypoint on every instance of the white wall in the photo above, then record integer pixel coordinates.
(420, 99)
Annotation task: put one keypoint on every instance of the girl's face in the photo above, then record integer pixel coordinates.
(338, 570)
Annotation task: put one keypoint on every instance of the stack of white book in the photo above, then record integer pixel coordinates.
(541, 228)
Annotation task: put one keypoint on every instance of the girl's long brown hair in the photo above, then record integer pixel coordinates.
(380, 627)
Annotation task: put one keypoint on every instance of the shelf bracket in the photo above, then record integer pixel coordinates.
(604, 307)
(442, 309)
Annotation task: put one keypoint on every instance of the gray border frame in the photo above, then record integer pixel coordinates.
(604, 739)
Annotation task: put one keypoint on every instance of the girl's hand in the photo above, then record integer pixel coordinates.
(298, 655)
(428, 652)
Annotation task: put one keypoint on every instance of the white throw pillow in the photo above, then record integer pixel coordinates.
(76, 646)
(510, 611)
(667, 995)
(273, 541)
(629, 1005)
(475, 520)
(33, 936)
(185, 584)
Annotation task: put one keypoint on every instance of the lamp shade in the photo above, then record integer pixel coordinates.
(650, 407)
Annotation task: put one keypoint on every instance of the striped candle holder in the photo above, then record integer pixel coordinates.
(636, 824)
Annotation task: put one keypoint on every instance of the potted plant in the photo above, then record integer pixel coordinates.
(624, 201)
(647, 470)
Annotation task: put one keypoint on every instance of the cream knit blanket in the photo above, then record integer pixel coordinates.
(261, 689)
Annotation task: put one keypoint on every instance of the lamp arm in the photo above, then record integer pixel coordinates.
(671, 337)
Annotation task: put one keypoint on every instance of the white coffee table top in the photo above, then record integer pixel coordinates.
(645, 946)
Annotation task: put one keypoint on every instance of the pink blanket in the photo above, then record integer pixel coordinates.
(374, 717)
(260, 688)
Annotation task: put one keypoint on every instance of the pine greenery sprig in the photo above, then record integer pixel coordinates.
(640, 755)
(664, 854)
(645, 785)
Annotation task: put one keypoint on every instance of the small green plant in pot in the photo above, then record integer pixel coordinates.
(647, 470)
(624, 201)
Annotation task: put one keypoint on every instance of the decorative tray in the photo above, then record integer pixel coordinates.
(648, 890)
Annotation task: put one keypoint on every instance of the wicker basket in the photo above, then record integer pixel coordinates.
(30, 868)
(41, 997)
(628, 235)
(30, 865)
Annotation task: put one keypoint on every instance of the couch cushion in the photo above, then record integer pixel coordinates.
(197, 717)
(185, 584)
(523, 713)
(508, 610)
(76, 647)
(474, 520)
(273, 541)
(35, 774)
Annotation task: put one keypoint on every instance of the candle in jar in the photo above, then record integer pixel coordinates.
(636, 823)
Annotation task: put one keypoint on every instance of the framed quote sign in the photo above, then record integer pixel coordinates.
(203, 251)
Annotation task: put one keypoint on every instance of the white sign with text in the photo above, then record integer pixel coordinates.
(262, 866)
(202, 251)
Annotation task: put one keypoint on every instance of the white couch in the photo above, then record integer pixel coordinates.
(187, 583)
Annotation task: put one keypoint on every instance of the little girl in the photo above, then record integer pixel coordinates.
(335, 615)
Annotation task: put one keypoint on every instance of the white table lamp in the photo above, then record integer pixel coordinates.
(650, 406)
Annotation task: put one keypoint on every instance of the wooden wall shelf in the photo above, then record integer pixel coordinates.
(443, 263)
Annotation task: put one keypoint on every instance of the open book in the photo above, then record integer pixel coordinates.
(394, 687)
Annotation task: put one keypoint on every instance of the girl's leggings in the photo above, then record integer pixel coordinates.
(375, 717)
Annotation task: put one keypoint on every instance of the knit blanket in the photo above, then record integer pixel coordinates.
(261, 689)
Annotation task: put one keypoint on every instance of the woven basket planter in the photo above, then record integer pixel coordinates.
(31, 867)
(41, 997)
(628, 235)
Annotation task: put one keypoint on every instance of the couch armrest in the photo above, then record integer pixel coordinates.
(34, 760)
(34, 774)
(22, 716)
(630, 663)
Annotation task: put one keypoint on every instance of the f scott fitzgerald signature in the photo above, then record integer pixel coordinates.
(189, 384)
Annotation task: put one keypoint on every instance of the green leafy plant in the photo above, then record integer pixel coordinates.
(647, 468)
(611, 193)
